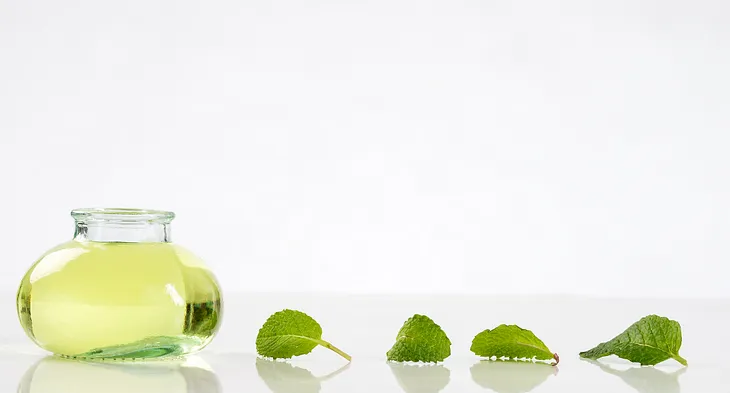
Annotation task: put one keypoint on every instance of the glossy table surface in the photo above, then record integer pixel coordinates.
(366, 326)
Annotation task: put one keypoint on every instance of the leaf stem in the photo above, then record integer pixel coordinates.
(680, 359)
(334, 349)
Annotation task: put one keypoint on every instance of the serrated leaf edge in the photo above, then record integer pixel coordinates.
(551, 356)
(670, 355)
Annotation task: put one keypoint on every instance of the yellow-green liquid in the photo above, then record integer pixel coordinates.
(119, 301)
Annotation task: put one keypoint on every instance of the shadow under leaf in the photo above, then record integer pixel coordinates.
(645, 379)
(426, 378)
(282, 377)
(511, 377)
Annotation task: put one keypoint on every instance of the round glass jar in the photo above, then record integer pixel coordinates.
(120, 290)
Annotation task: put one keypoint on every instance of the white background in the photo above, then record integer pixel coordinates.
(473, 146)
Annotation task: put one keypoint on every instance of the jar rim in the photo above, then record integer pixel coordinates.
(121, 214)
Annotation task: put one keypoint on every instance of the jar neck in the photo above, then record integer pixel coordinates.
(122, 225)
(124, 233)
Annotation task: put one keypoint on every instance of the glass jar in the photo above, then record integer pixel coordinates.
(120, 290)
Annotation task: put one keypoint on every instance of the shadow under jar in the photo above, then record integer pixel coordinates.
(120, 290)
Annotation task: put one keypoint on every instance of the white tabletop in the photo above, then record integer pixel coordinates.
(366, 326)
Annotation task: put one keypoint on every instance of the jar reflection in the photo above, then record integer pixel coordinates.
(57, 375)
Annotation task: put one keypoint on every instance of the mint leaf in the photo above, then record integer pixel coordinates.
(651, 340)
(290, 333)
(511, 342)
(420, 340)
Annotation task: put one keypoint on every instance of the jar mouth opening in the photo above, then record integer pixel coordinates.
(121, 215)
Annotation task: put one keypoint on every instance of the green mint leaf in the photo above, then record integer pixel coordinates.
(511, 342)
(290, 333)
(420, 340)
(651, 340)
